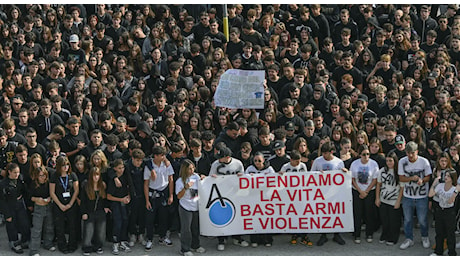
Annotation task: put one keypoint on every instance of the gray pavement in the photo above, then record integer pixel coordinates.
(281, 246)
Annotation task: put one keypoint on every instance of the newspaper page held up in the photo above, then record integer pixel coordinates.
(240, 89)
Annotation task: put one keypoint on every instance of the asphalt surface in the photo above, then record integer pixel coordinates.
(281, 247)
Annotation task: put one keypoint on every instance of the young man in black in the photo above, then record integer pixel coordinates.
(75, 140)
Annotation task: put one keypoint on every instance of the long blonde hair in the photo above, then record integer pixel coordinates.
(104, 163)
(183, 173)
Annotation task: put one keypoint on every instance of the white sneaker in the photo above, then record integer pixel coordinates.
(425, 242)
(254, 244)
(148, 245)
(220, 247)
(199, 250)
(406, 244)
(241, 243)
(433, 254)
(188, 253)
(141, 239)
(124, 246)
(165, 241)
(115, 249)
(132, 240)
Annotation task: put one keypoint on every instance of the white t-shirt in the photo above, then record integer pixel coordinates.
(163, 173)
(321, 164)
(421, 167)
(364, 174)
(444, 195)
(389, 191)
(252, 169)
(235, 166)
(287, 167)
(190, 199)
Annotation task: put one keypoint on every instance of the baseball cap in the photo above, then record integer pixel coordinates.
(411, 147)
(432, 75)
(74, 38)
(400, 139)
(289, 126)
(363, 97)
(223, 152)
(278, 145)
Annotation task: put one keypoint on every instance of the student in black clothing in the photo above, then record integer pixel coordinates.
(111, 152)
(96, 142)
(400, 146)
(390, 134)
(265, 146)
(200, 159)
(46, 120)
(136, 219)
(75, 52)
(42, 221)
(201, 28)
(391, 106)
(119, 194)
(13, 193)
(280, 157)
(75, 140)
(13, 137)
(235, 45)
(32, 145)
(64, 189)
(94, 206)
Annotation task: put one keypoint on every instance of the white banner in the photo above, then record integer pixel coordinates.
(295, 202)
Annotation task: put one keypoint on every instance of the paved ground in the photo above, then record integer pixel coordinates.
(281, 246)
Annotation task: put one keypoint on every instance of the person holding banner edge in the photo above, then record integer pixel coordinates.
(388, 196)
(227, 165)
(260, 166)
(187, 193)
(364, 172)
(415, 171)
(328, 162)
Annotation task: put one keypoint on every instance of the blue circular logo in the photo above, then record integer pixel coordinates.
(221, 215)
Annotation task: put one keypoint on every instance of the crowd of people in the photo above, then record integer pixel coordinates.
(108, 122)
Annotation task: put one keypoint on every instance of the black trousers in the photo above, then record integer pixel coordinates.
(391, 222)
(366, 206)
(136, 216)
(20, 223)
(66, 221)
(445, 229)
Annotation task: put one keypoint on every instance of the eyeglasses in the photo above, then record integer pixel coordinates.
(365, 154)
(257, 160)
(442, 21)
(42, 176)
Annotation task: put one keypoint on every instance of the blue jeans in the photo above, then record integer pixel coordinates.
(421, 206)
(120, 221)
